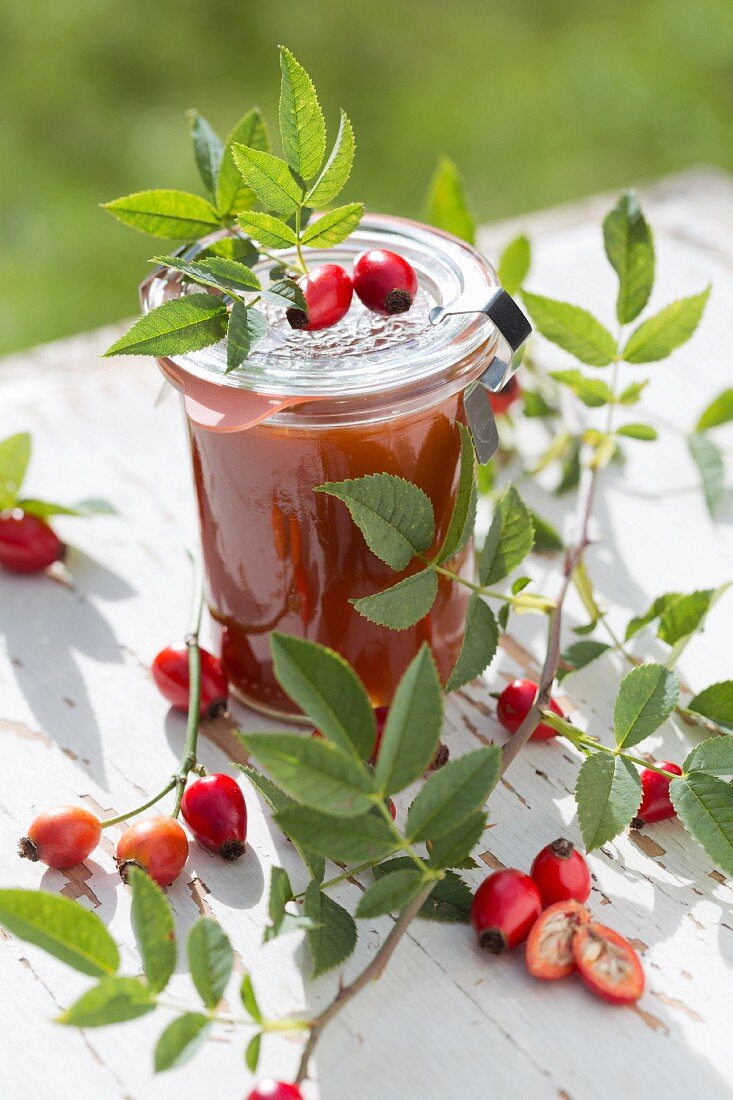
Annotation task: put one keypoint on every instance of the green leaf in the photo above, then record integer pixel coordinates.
(232, 195)
(480, 641)
(315, 772)
(450, 899)
(237, 248)
(277, 800)
(170, 214)
(252, 1053)
(390, 894)
(270, 179)
(111, 1001)
(227, 275)
(644, 432)
(685, 615)
(646, 697)
(451, 849)
(334, 227)
(333, 936)
(535, 407)
(592, 391)
(328, 690)
(571, 328)
(15, 454)
(178, 326)
(61, 927)
(285, 293)
(631, 394)
(83, 508)
(673, 326)
(246, 327)
(578, 655)
(719, 411)
(570, 472)
(463, 516)
(152, 922)
(180, 1041)
(249, 1000)
(446, 206)
(271, 232)
(210, 958)
(412, 730)
(630, 250)
(514, 264)
(302, 128)
(394, 516)
(510, 538)
(608, 794)
(337, 168)
(709, 460)
(713, 757)
(344, 839)
(208, 150)
(281, 894)
(656, 609)
(716, 704)
(547, 539)
(453, 793)
(402, 605)
(704, 805)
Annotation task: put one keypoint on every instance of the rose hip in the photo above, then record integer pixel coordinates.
(502, 401)
(385, 282)
(170, 673)
(656, 804)
(550, 943)
(328, 292)
(27, 544)
(275, 1090)
(158, 845)
(514, 704)
(608, 964)
(61, 837)
(215, 812)
(561, 873)
(503, 910)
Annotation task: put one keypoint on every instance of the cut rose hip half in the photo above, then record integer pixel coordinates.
(608, 964)
(550, 944)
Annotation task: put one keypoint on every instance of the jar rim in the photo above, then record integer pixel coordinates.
(383, 354)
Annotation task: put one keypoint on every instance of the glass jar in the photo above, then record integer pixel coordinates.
(370, 395)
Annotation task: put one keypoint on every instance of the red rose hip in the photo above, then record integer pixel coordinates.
(27, 544)
(61, 837)
(560, 873)
(215, 812)
(385, 282)
(503, 400)
(608, 964)
(158, 845)
(550, 943)
(503, 910)
(275, 1090)
(328, 292)
(656, 804)
(514, 704)
(170, 673)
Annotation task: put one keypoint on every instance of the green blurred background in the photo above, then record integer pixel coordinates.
(538, 101)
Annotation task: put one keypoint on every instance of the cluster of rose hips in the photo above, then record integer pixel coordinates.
(385, 282)
(546, 909)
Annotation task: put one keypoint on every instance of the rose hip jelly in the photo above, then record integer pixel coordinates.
(371, 394)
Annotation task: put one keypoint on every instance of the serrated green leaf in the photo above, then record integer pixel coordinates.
(315, 772)
(15, 454)
(547, 539)
(246, 327)
(208, 150)
(210, 958)
(480, 642)
(166, 213)
(451, 849)
(631, 394)
(302, 127)
(229, 276)
(271, 232)
(337, 169)
(644, 432)
(394, 516)
(234, 247)
(334, 226)
(252, 1053)
(639, 621)
(510, 538)
(277, 800)
(412, 730)
(328, 690)
(630, 249)
(571, 328)
(178, 326)
(333, 936)
(390, 894)
(578, 655)
(685, 614)
(180, 1041)
(446, 206)
(719, 411)
(713, 757)
(592, 391)
(344, 839)
(111, 1001)
(514, 264)
(667, 330)
(608, 794)
(709, 460)
(453, 793)
(270, 179)
(450, 899)
(402, 605)
(704, 805)
(61, 927)
(647, 695)
(281, 921)
(463, 516)
(152, 922)
(232, 195)
(286, 293)
(716, 704)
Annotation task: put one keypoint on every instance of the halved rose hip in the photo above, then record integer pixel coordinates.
(608, 964)
(550, 944)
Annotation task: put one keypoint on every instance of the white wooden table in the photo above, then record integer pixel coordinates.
(81, 720)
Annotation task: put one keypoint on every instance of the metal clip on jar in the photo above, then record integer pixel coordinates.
(370, 395)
